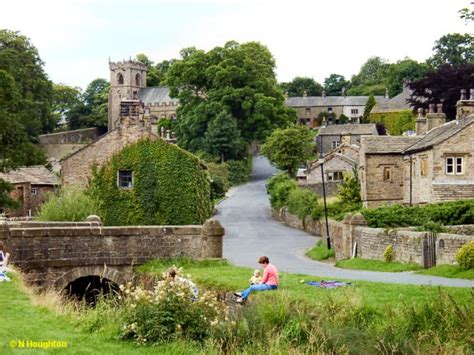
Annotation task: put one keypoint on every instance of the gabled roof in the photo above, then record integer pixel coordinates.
(349, 128)
(395, 104)
(36, 175)
(316, 163)
(330, 101)
(439, 134)
(387, 144)
(156, 95)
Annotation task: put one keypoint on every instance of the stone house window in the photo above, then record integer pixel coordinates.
(424, 167)
(120, 79)
(387, 173)
(335, 176)
(354, 111)
(454, 165)
(329, 109)
(307, 111)
(125, 179)
(335, 144)
(34, 191)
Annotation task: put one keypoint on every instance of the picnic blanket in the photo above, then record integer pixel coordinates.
(328, 284)
(3, 274)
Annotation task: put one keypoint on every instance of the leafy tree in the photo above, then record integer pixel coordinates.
(236, 78)
(223, 138)
(369, 105)
(299, 85)
(454, 49)
(370, 79)
(65, 99)
(92, 110)
(402, 71)
(335, 84)
(467, 14)
(349, 190)
(442, 85)
(20, 59)
(289, 148)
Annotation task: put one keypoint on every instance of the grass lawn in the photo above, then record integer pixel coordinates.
(219, 275)
(451, 271)
(320, 252)
(24, 321)
(376, 265)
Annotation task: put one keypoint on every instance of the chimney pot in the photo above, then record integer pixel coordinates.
(386, 93)
(420, 113)
(463, 94)
(439, 108)
(323, 94)
(305, 93)
(431, 108)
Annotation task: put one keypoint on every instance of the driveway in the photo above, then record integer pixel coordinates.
(251, 232)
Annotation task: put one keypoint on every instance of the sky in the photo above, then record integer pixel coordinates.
(312, 38)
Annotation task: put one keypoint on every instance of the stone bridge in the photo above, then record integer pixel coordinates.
(56, 254)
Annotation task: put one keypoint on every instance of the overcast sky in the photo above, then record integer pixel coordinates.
(314, 38)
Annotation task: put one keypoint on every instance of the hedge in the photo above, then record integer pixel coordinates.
(395, 122)
(170, 186)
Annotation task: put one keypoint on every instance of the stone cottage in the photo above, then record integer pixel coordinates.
(309, 107)
(332, 136)
(435, 165)
(31, 187)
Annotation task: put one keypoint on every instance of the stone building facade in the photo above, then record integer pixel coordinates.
(134, 125)
(434, 166)
(332, 136)
(308, 108)
(31, 188)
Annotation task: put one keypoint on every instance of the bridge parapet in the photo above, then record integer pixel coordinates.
(48, 252)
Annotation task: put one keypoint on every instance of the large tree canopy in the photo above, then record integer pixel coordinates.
(156, 74)
(369, 80)
(442, 85)
(237, 80)
(299, 85)
(454, 49)
(20, 59)
(335, 85)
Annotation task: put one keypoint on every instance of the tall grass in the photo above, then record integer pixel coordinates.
(70, 204)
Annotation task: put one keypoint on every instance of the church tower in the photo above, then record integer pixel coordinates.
(126, 80)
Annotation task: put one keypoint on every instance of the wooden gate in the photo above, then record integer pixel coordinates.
(429, 250)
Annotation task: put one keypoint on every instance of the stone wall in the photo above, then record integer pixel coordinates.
(48, 252)
(371, 242)
(85, 135)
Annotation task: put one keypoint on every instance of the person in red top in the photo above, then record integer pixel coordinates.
(269, 280)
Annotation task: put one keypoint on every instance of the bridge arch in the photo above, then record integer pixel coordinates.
(118, 275)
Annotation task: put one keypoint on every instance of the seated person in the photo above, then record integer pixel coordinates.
(256, 278)
(269, 280)
(4, 256)
(194, 290)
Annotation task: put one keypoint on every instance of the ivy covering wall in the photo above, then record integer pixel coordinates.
(170, 186)
(395, 122)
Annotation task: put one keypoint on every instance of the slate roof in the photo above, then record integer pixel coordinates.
(395, 104)
(439, 134)
(158, 94)
(330, 101)
(349, 128)
(36, 175)
(387, 144)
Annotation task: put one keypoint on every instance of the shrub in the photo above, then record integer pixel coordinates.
(168, 312)
(465, 256)
(447, 213)
(70, 204)
(301, 202)
(171, 186)
(239, 170)
(279, 188)
(219, 179)
(388, 254)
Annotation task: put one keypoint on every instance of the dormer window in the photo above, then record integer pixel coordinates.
(120, 79)
(125, 179)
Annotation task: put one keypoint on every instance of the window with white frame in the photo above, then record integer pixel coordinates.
(454, 165)
(354, 111)
(335, 144)
(34, 191)
(125, 179)
(335, 176)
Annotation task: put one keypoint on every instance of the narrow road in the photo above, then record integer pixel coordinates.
(251, 232)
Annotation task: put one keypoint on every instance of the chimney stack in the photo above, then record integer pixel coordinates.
(465, 106)
(421, 126)
(386, 93)
(323, 94)
(305, 93)
(435, 116)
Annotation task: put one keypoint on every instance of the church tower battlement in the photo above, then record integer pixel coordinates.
(126, 80)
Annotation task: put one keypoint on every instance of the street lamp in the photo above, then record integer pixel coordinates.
(321, 164)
